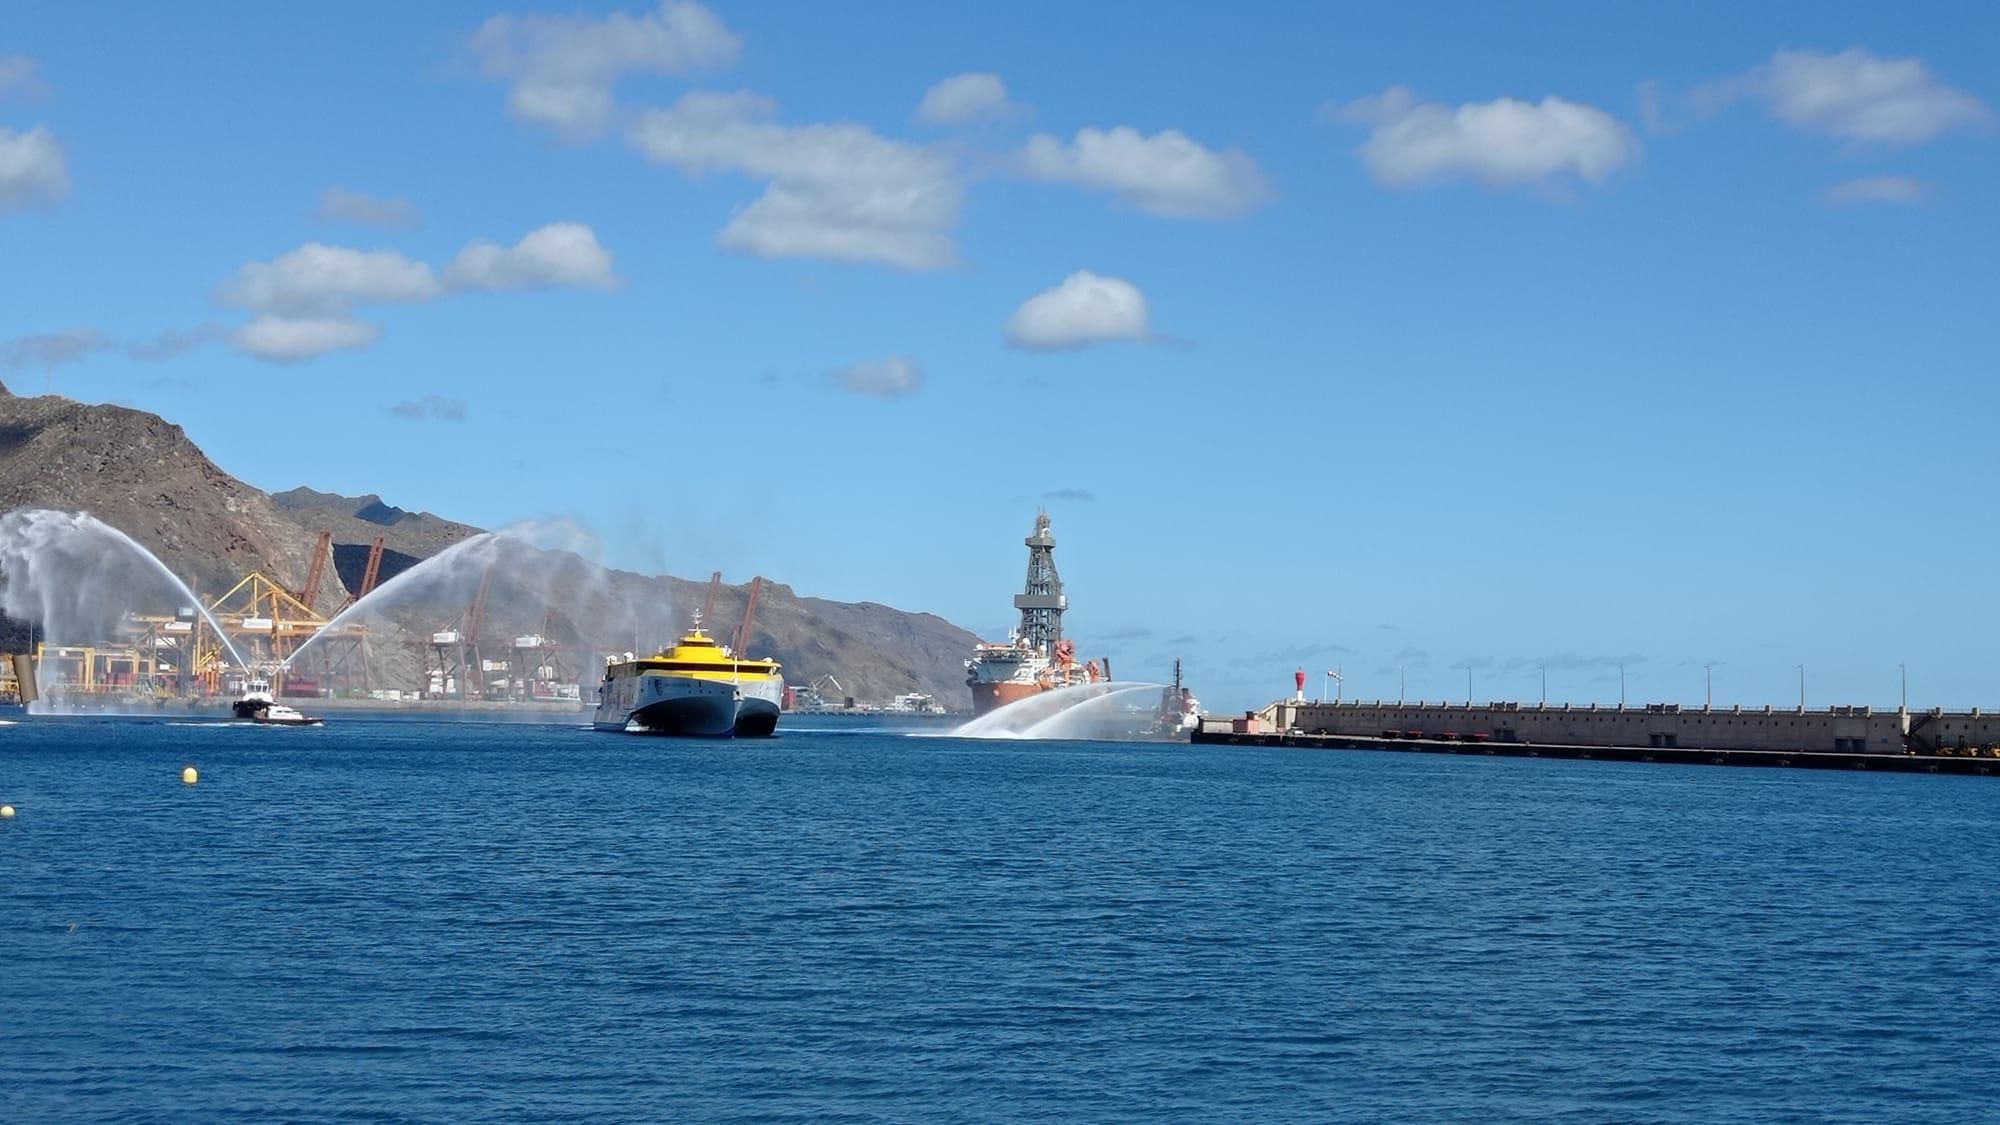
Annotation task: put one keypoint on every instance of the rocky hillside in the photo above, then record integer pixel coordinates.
(142, 475)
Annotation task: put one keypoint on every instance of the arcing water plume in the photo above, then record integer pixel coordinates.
(1086, 711)
(531, 572)
(78, 576)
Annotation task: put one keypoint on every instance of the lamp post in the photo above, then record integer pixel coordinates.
(1621, 685)
(1802, 689)
(1545, 685)
(1904, 669)
(1402, 685)
(1468, 685)
(1708, 692)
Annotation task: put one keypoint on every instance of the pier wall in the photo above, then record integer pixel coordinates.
(1857, 730)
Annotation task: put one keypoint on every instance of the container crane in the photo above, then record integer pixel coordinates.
(317, 571)
(749, 615)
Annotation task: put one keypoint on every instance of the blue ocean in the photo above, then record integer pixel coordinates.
(399, 920)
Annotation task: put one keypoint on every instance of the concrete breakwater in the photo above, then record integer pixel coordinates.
(1856, 737)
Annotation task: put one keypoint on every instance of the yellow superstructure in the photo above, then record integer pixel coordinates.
(697, 656)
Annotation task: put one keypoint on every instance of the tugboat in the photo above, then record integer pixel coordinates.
(1180, 711)
(257, 706)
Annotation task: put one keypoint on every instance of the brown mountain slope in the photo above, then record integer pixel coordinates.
(141, 474)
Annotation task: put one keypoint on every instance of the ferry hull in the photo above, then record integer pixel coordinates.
(691, 708)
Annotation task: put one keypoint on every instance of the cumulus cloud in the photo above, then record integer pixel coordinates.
(562, 67)
(1854, 95)
(305, 298)
(894, 377)
(33, 170)
(52, 349)
(1165, 174)
(1877, 189)
(560, 254)
(965, 98)
(17, 76)
(339, 205)
(283, 339)
(1085, 309)
(836, 191)
(1502, 142)
(436, 407)
(317, 278)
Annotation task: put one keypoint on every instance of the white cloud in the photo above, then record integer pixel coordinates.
(562, 67)
(1167, 173)
(304, 297)
(965, 98)
(837, 191)
(1504, 141)
(337, 204)
(894, 377)
(1085, 309)
(32, 168)
(289, 340)
(1877, 189)
(1855, 95)
(17, 76)
(317, 278)
(559, 254)
(431, 406)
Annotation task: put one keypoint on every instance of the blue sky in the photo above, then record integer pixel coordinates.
(1423, 338)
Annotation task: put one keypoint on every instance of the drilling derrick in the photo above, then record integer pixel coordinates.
(1041, 602)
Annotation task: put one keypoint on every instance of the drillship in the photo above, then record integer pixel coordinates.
(696, 688)
(1036, 657)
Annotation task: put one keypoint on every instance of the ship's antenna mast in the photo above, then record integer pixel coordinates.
(1042, 602)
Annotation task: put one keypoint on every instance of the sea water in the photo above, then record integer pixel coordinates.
(403, 920)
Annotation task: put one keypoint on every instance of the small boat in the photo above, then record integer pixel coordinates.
(257, 706)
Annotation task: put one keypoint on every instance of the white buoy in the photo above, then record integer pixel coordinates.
(189, 777)
(6, 812)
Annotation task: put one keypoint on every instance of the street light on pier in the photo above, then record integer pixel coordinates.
(1802, 688)
(1904, 669)
(1545, 685)
(1621, 685)
(1708, 692)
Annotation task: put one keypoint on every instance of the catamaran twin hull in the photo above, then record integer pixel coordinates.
(663, 703)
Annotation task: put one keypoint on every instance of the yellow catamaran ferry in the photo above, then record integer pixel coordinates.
(696, 688)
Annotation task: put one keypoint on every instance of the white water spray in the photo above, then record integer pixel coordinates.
(1085, 711)
(547, 556)
(75, 576)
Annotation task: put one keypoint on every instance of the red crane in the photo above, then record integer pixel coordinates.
(708, 607)
(317, 570)
(373, 571)
(749, 614)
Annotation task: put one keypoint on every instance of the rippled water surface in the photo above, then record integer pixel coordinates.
(414, 920)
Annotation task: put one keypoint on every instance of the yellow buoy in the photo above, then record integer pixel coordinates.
(6, 811)
(189, 776)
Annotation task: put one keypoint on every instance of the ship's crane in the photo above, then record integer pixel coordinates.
(321, 549)
(742, 641)
(708, 607)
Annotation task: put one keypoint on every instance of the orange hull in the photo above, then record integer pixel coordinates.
(985, 697)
